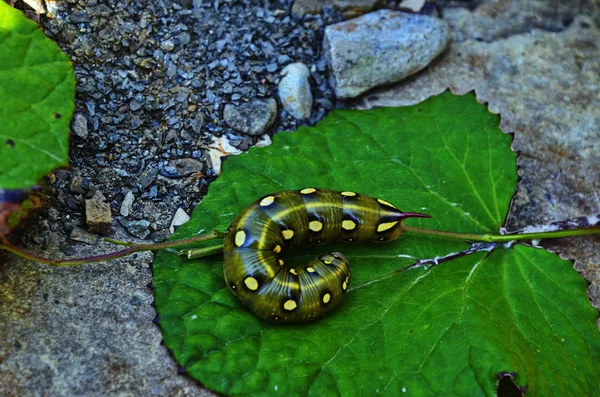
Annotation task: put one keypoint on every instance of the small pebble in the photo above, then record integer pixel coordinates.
(66, 248)
(182, 167)
(76, 185)
(167, 45)
(79, 126)
(137, 229)
(127, 204)
(97, 214)
(179, 219)
(83, 236)
(294, 90)
(198, 123)
(251, 118)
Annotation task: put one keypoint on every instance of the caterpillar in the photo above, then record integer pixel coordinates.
(255, 272)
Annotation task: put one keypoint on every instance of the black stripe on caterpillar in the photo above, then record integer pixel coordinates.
(255, 272)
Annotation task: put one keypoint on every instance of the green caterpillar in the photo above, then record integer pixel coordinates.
(255, 272)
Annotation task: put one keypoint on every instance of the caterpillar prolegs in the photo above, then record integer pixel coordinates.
(255, 272)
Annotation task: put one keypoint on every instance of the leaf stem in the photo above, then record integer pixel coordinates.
(498, 238)
(201, 252)
(132, 248)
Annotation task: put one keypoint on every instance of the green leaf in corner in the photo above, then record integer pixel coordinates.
(37, 89)
(446, 330)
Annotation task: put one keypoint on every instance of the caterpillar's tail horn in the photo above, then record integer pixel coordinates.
(414, 215)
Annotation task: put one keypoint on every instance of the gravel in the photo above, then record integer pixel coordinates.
(154, 78)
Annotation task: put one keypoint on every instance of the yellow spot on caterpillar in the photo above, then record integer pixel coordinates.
(310, 269)
(348, 225)
(326, 298)
(348, 194)
(267, 201)
(386, 203)
(281, 262)
(308, 190)
(293, 271)
(315, 226)
(327, 262)
(290, 305)
(288, 234)
(277, 249)
(240, 238)
(345, 284)
(251, 283)
(382, 227)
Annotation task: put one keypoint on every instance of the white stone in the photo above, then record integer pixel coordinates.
(179, 219)
(127, 204)
(294, 90)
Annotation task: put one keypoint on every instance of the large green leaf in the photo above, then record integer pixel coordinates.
(443, 330)
(37, 88)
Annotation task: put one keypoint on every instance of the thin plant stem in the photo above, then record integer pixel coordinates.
(132, 248)
(499, 238)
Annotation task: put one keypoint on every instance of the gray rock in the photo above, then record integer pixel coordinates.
(179, 219)
(97, 214)
(127, 204)
(381, 48)
(137, 229)
(251, 118)
(79, 126)
(83, 236)
(294, 90)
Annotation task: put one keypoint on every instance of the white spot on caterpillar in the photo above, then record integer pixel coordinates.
(240, 238)
(267, 201)
(348, 194)
(251, 283)
(386, 203)
(315, 226)
(310, 269)
(290, 305)
(348, 225)
(287, 234)
(382, 227)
